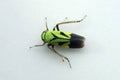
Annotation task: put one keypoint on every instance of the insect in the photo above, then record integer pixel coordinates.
(56, 37)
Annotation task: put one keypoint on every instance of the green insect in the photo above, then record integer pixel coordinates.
(56, 37)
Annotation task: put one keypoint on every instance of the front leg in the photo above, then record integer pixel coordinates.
(37, 45)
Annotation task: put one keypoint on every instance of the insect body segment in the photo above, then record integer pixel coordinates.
(56, 37)
(63, 39)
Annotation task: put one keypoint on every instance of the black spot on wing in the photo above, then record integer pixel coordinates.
(53, 39)
(61, 43)
(62, 33)
(54, 35)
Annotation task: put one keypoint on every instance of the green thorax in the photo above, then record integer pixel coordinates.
(48, 36)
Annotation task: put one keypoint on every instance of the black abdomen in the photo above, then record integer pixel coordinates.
(76, 41)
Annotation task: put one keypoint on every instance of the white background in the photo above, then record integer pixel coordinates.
(21, 25)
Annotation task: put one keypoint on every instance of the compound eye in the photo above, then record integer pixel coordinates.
(43, 35)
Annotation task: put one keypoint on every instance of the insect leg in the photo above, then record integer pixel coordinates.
(46, 23)
(37, 45)
(66, 22)
(51, 47)
(57, 26)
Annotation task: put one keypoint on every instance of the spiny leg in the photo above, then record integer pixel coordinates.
(51, 47)
(37, 45)
(66, 22)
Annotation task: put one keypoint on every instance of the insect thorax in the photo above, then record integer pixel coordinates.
(48, 36)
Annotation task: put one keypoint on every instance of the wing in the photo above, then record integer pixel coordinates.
(61, 42)
(68, 41)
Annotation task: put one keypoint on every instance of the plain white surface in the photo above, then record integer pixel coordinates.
(22, 22)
